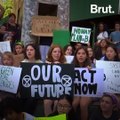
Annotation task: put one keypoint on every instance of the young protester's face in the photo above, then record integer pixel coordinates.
(11, 115)
(101, 27)
(7, 60)
(63, 106)
(90, 52)
(68, 50)
(103, 43)
(56, 53)
(9, 38)
(78, 45)
(12, 19)
(18, 49)
(106, 104)
(110, 54)
(117, 27)
(81, 56)
(30, 52)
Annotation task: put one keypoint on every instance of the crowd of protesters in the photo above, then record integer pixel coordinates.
(106, 48)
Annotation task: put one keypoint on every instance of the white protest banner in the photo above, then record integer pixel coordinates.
(88, 82)
(46, 80)
(112, 75)
(9, 78)
(5, 46)
(80, 34)
(69, 58)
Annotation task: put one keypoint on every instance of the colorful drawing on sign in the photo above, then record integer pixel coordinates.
(46, 80)
(88, 82)
(80, 34)
(9, 78)
(112, 75)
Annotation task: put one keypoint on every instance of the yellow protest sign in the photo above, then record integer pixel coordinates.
(44, 25)
(58, 117)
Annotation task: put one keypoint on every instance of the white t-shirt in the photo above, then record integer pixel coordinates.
(102, 35)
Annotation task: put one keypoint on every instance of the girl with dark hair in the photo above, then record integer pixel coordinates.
(81, 60)
(32, 54)
(101, 32)
(64, 106)
(68, 50)
(111, 54)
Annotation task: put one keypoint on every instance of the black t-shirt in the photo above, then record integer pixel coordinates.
(98, 116)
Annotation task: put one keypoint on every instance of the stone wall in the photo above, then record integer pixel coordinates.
(31, 8)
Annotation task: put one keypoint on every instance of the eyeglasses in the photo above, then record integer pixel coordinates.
(65, 106)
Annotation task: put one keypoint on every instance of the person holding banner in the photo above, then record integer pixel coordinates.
(108, 108)
(81, 59)
(64, 106)
(55, 55)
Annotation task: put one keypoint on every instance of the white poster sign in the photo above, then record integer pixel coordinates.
(112, 75)
(5, 46)
(81, 34)
(88, 82)
(69, 58)
(9, 78)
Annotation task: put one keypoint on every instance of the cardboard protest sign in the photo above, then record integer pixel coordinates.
(46, 80)
(44, 25)
(112, 75)
(5, 46)
(61, 37)
(57, 117)
(88, 82)
(9, 78)
(69, 58)
(80, 34)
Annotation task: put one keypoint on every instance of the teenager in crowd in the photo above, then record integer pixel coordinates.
(55, 55)
(115, 36)
(32, 54)
(91, 56)
(107, 110)
(82, 60)
(9, 37)
(68, 50)
(111, 54)
(12, 27)
(64, 106)
(18, 53)
(69, 53)
(101, 33)
(7, 59)
(100, 50)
